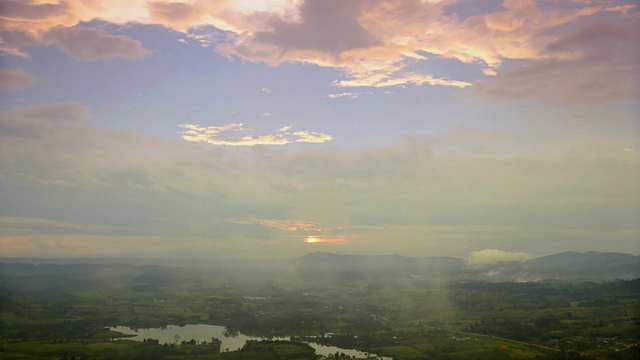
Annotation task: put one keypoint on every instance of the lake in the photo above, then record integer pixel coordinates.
(172, 334)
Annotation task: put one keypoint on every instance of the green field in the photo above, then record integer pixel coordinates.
(49, 312)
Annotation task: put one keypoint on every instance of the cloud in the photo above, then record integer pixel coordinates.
(391, 35)
(13, 52)
(349, 95)
(383, 80)
(211, 135)
(93, 44)
(21, 225)
(597, 64)
(19, 9)
(376, 43)
(266, 90)
(64, 112)
(312, 137)
(34, 119)
(492, 256)
(147, 191)
(329, 26)
(174, 12)
(15, 79)
(284, 225)
(13, 39)
(19, 37)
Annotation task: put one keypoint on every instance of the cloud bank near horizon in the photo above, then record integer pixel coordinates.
(264, 201)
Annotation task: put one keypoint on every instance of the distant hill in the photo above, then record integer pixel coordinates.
(590, 265)
(569, 266)
(378, 269)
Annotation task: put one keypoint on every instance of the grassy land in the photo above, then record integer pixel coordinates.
(56, 314)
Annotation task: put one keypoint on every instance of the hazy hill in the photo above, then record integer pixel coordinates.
(572, 266)
(329, 267)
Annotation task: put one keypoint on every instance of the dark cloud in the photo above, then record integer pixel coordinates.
(93, 44)
(327, 25)
(595, 65)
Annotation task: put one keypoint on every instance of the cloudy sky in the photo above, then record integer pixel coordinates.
(273, 128)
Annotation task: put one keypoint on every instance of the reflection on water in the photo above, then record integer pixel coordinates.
(173, 334)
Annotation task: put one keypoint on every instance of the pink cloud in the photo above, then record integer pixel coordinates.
(374, 42)
(594, 65)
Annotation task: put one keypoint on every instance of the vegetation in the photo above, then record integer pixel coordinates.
(65, 311)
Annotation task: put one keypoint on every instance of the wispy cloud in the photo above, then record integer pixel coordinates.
(350, 95)
(15, 79)
(381, 79)
(284, 225)
(18, 226)
(310, 232)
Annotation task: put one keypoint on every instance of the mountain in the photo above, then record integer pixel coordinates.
(568, 266)
(372, 269)
(590, 265)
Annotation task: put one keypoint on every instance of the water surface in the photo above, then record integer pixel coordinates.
(174, 334)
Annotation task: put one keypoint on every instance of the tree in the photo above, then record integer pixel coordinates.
(216, 344)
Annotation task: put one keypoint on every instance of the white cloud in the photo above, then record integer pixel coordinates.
(212, 135)
(350, 95)
(312, 137)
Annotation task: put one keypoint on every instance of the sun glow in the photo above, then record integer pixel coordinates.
(322, 239)
(311, 240)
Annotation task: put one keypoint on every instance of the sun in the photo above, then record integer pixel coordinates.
(311, 240)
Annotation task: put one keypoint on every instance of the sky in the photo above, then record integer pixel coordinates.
(275, 128)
